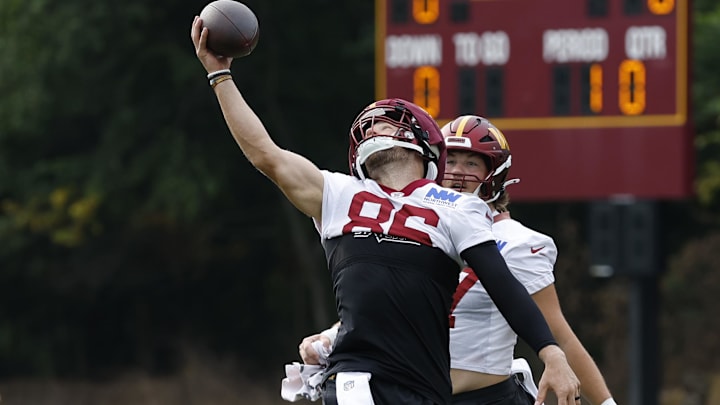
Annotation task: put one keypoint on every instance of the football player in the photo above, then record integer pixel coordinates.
(478, 163)
(394, 241)
(482, 343)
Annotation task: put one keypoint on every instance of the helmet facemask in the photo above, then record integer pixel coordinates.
(409, 135)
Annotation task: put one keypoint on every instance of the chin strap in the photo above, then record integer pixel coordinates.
(379, 143)
(376, 144)
(432, 171)
(497, 195)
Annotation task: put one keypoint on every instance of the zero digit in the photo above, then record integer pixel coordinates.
(661, 7)
(426, 89)
(631, 87)
(426, 11)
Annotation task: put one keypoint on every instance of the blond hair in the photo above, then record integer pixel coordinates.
(501, 204)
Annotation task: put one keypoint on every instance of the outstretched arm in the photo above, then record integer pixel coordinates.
(594, 387)
(523, 315)
(298, 178)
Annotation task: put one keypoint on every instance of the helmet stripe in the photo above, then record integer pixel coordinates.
(500, 137)
(461, 126)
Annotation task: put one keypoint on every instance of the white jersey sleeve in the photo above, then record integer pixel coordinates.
(480, 338)
(530, 255)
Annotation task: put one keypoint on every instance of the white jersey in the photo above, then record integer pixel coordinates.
(480, 338)
(423, 212)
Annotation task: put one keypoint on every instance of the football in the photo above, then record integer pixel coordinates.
(232, 28)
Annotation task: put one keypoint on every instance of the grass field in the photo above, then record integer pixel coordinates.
(202, 381)
(142, 390)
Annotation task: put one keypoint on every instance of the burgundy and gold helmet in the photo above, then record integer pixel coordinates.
(472, 133)
(418, 131)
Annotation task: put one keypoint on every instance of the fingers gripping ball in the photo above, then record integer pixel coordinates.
(232, 28)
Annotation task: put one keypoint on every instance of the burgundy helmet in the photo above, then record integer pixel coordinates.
(476, 134)
(418, 131)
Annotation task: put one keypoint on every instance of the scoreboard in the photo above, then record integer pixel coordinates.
(592, 94)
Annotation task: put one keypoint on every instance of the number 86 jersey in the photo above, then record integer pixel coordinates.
(422, 213)
(394, 258)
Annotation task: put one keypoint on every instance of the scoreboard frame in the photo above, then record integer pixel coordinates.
(644, 151)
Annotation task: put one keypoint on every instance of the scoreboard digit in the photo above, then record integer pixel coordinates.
(592, 94)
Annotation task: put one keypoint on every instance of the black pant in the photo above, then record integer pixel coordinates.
(508, 392)
(383, 393)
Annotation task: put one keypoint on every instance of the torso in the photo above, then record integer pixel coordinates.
(481, 341)
(466, 380)
(394, 260)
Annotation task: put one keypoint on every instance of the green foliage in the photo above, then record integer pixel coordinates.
(130, 220)
(706, 97)
(690, 297)
(708, 182)
(66, 219)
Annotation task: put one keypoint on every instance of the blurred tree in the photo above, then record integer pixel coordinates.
(130, 221)
(690, 297)
(706, 90)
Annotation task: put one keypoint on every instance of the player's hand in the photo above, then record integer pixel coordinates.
(308, 354)
(210, 61)
(559, 377)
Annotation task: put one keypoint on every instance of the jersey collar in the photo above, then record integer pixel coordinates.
(499, 216)
(409, 188)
